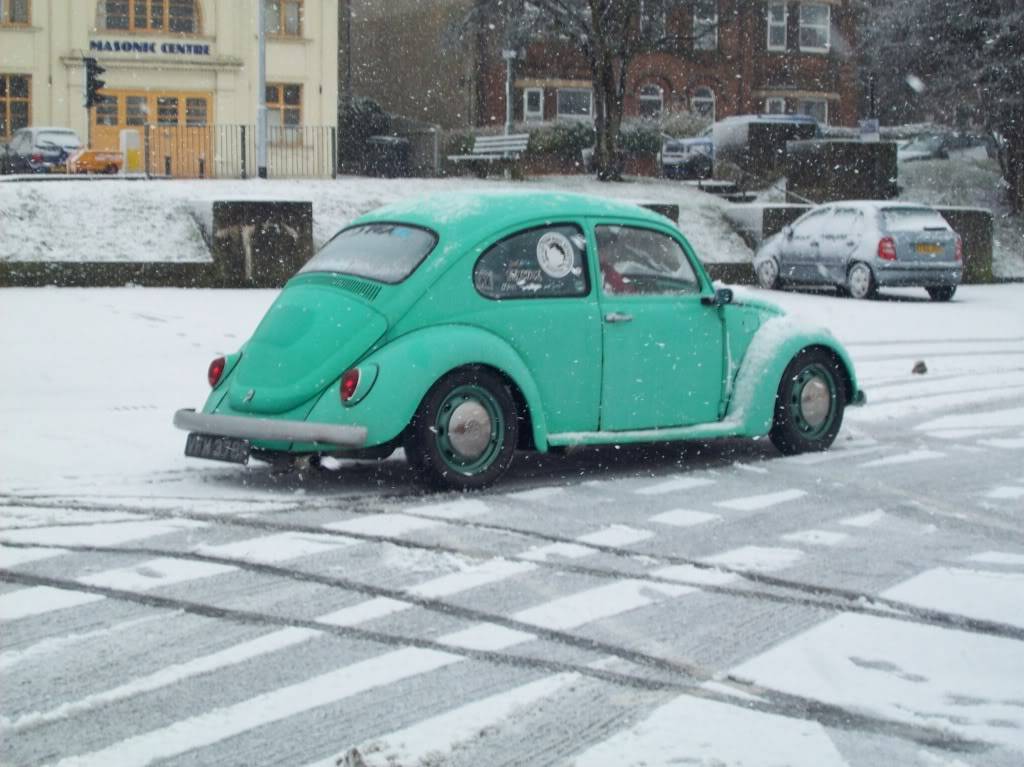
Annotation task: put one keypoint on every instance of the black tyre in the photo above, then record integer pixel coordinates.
(463, 437)
(860, 281)
(942, 293)
(810, 403)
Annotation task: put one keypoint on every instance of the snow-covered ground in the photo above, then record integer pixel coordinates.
(710, 605)
(138, 220)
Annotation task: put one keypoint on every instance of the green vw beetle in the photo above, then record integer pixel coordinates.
(464, 327)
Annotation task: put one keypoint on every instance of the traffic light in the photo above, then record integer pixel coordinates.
(93, 83)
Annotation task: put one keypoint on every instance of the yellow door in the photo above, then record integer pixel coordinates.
(179, 131)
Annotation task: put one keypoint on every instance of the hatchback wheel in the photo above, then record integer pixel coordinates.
(809, 405)
(860, 282)
(768, 274)
(464, 435)
(942, 293)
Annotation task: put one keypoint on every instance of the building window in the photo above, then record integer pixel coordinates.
(703, 103)
(136, 110)
(652, 100)
(816, 108)
(815, 27)
(705, 25)
(775, 106)
(15, 99)
(106, 110)
(284, 112)
(284, 17)
(167, 110)
(575, 103)
(14, 12)
(533, 105)
(778, 19)
(180, 16)
(195, 112)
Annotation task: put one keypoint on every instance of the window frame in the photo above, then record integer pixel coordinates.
(558, 104)
(800, 108)
(8, 98)
(282, 17)
(771, 24)
(645, 97)
(528, 116)
(711, 98)
(289, 134)
(774, 100)
(546, 226)
(805, 26)
(6, 13)
(701, 20)
(146, 26)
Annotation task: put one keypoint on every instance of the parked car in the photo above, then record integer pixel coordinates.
(941, 146)
(94, 161)
(463, 327)
(861, 246)
(38, 150)
(688, 158)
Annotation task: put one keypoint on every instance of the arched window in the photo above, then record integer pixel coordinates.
(652, 100)
(180, 16)
(703, 102)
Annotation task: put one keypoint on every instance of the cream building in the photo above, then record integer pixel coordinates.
(183, 73)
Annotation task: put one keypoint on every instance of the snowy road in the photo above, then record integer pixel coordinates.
(702, 604)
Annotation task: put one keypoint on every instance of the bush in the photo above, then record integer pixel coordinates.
(565, 140)
(681, 124)
(640, 137)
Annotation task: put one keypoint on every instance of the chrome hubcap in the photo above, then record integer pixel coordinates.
(469, 429)
(815, 402)
(768, 271)
(860, 280)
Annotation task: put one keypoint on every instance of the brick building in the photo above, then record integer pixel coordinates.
(717, 57)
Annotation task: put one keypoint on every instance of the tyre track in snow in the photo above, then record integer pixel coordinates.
(765, 700)
(831, 598)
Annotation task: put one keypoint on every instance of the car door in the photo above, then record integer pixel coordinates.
(663, 348)
(803, 249)
(840, 236)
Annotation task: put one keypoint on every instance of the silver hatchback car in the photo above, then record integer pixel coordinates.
(861, 246)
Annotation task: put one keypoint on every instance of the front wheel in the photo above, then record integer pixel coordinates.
(860, 282)
(768, 274)
(809, 404)
(463, 437)
(942, 292)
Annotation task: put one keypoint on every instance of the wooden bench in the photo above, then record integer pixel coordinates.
(487, 150)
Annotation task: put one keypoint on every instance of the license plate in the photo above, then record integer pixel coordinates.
(228, 449)
(928, 248)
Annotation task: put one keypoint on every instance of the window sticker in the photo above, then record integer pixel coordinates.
(555, 255)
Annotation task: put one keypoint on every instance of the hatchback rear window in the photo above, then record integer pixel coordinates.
(65, 139)
(383, 252)
(912, 219)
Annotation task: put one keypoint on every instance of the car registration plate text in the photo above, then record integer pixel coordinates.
(929, 248)
(230, 449)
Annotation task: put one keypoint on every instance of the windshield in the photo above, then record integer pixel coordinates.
(65, 139)
(912, 219)
(384, 252)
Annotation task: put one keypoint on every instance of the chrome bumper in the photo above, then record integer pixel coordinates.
(270, 429)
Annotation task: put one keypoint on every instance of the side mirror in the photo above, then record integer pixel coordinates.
(787, 232)
(721, 297)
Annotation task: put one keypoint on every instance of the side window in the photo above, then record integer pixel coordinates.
(843, 223)
(810, 223)
(643, 262)
(546, 262)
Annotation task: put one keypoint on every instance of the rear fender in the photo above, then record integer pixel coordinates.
(776, 343)
(411, 364)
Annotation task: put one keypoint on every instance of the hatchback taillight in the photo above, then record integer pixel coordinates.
(349, 384)
(37, 157)
(887, 249)
(959, 249)
(216, 371)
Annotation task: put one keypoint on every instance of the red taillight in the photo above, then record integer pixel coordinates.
(216, 371)
(887, 249)
(349, 384)
(959, 249)
(37, 157)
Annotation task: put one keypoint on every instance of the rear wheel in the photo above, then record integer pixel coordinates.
(941, 293)
(810, 403)
(860, 282)
(768, 274)
(464, 435)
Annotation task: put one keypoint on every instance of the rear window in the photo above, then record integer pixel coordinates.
(60, 138)
(383, 252)
(912, 219)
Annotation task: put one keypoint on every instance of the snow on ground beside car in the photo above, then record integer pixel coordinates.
(137, 220)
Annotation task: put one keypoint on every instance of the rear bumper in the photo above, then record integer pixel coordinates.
(859, 399)
(924, 275)
(270, 430)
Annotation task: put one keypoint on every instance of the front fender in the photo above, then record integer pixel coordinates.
(411, 364)
(776, 343)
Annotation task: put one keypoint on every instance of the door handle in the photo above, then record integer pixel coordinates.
(614, 317)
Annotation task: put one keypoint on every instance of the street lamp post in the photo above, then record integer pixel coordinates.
(509, 55)
(261, 90)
